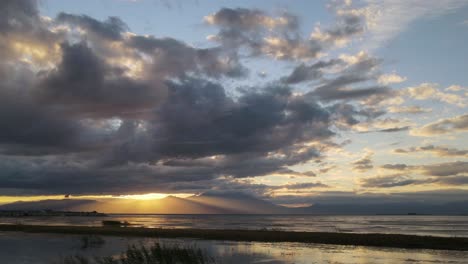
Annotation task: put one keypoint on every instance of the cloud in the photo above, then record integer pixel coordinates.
(88, 107)
(85, 81)
(383, 125)
(385, 19)
(437, 169)
(392, 200)
(18, 15)
(279, 36)
(454, 181)
(303, 185)
(408, 109)
(309, 72)
(112, 28)
(389, 181)
(451, 125)
(261, 33)
(174, 58)
(349, 23)
(390, 78)
(431, 91)
(445, 169)
(399, 167)
(436, 150)
(365, 163)
(360, 70)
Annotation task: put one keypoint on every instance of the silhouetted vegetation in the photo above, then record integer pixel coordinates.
(156, 254)
(376, 240)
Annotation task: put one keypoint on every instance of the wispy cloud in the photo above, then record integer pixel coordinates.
(443, 126)
(387, 18)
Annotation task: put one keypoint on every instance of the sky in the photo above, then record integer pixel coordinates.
(295, 102)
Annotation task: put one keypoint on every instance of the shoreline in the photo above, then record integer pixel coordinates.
(373, 240)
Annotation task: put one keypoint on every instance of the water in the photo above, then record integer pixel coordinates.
(21, 248)
(404, 224)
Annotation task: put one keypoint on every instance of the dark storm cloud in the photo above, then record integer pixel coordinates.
(22, 122)
(20, 23)
(81, 123)
(17, 15)
(199, 119)
(112, 28)
(86, 82)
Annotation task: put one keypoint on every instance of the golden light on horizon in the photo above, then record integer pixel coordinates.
(145, 197)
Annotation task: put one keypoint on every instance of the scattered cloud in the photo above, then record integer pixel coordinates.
(435, 150)
(408, 109)
(437, 169)
(432, 91)
(450, 125)
(383, 125)
(390, 181)
(390, 78)
(365, 163)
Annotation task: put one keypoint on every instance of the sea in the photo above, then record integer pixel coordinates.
(433, 225)
(21, 248)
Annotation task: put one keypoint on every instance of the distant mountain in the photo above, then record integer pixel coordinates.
(232, 203)
(56, 205)
(239, 203)
(207, 203)
(453, 208)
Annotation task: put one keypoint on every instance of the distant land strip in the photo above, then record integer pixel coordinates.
(374, 240)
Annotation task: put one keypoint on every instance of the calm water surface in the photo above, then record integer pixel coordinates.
(406, 224)
(21, 248)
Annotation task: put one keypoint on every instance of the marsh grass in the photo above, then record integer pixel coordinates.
(155, 254)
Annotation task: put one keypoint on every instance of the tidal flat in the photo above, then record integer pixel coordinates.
(374, 240)
(41, 248)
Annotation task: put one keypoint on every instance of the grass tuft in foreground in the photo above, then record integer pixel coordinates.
(156, 254)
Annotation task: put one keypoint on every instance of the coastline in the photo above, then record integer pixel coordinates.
(372, 240)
